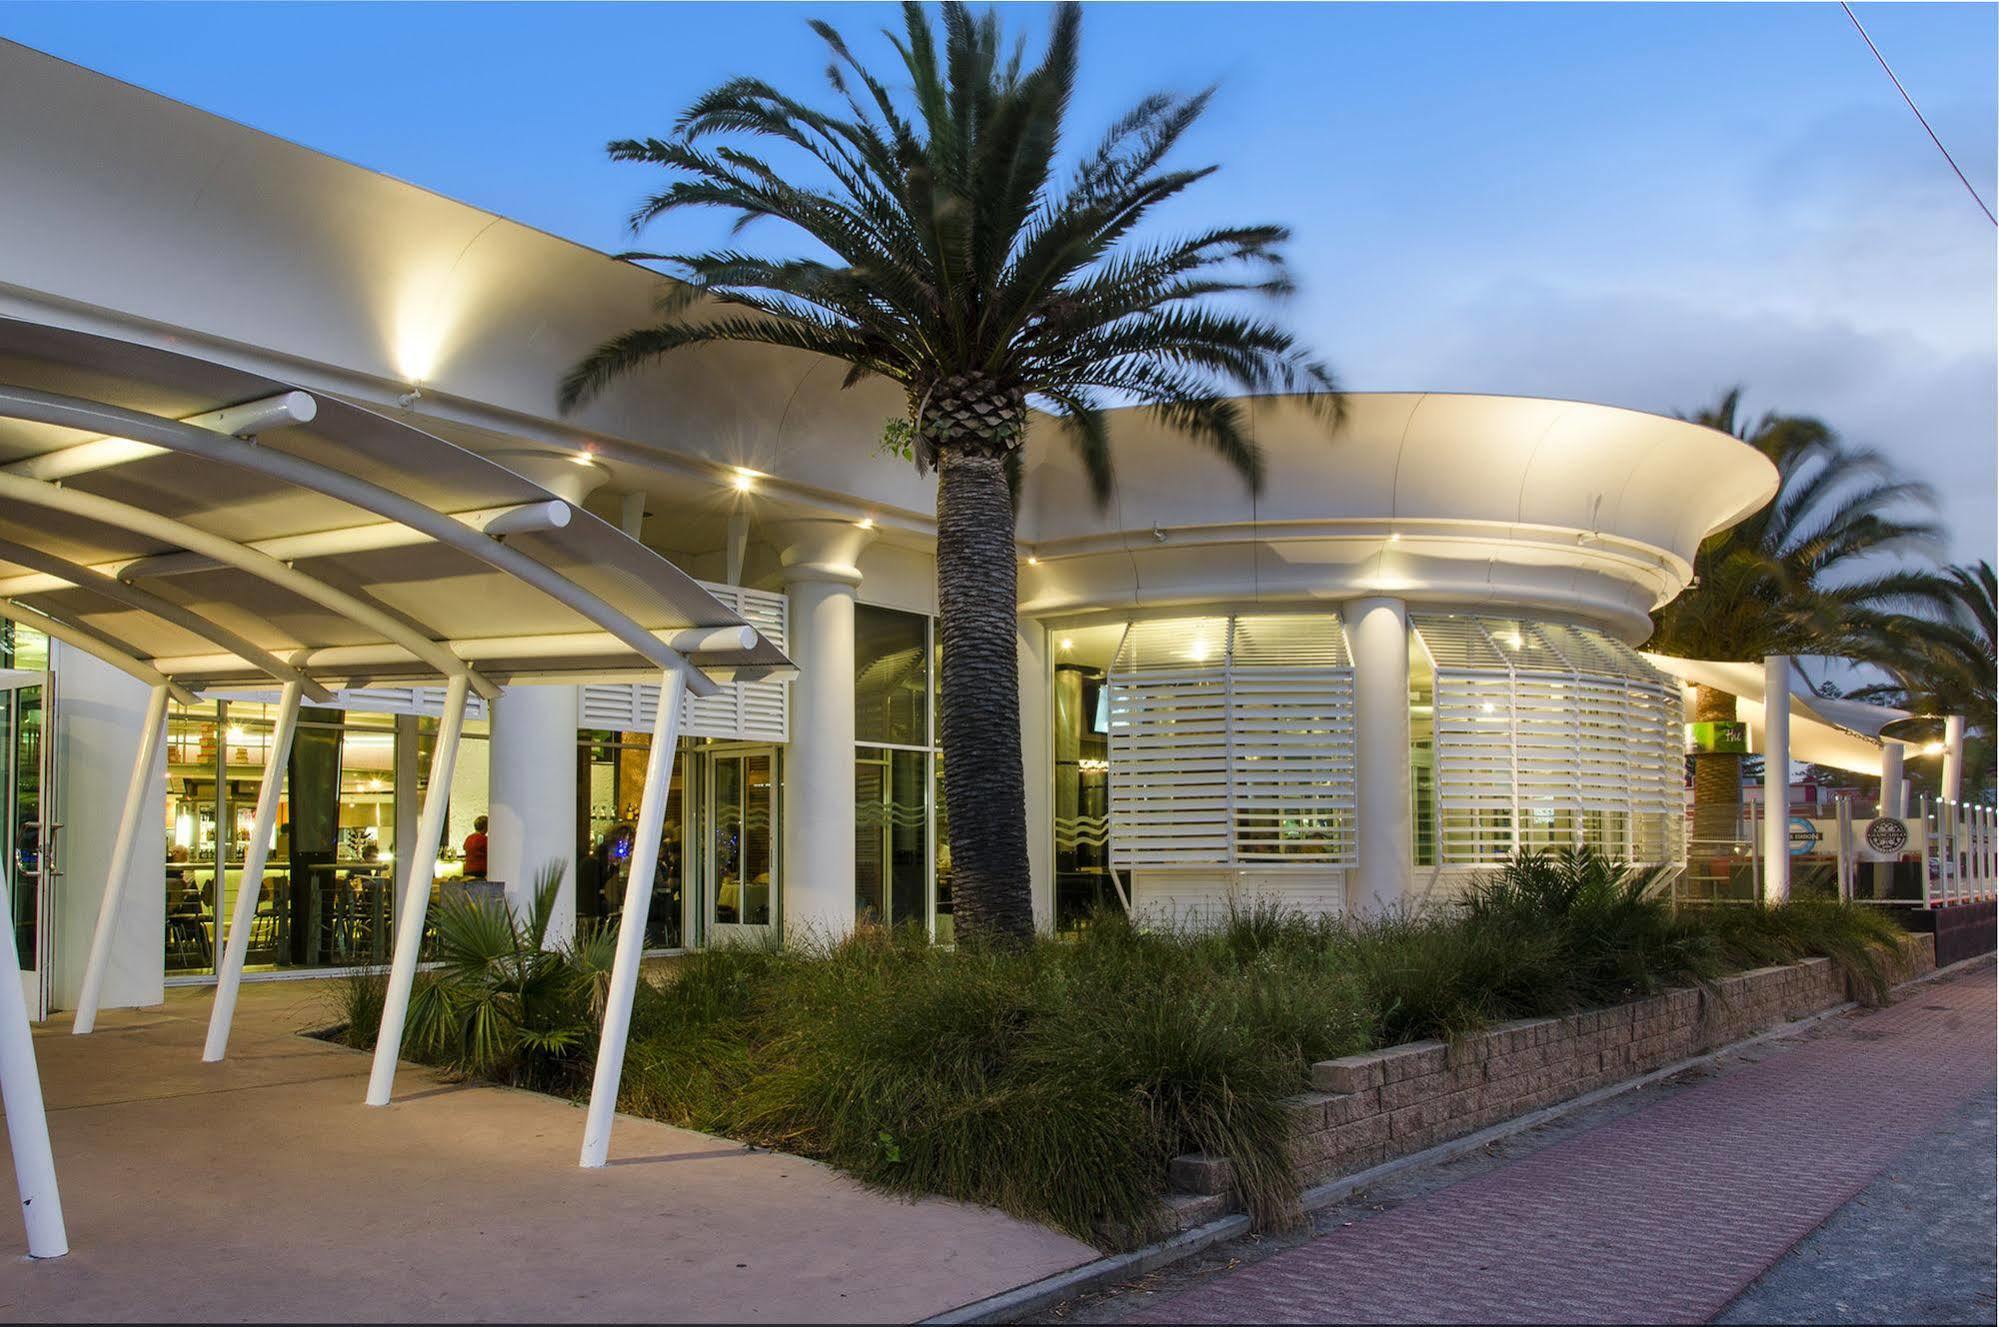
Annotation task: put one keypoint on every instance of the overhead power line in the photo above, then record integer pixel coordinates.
(1919, 115)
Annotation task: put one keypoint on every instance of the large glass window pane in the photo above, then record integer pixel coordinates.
(192, 814)
(610, 782)
(891, 677)
(891, 873)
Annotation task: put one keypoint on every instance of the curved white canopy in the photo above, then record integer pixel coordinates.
(1842, 734)
(448, 563)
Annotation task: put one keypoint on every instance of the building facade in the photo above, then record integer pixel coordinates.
(1411, 653)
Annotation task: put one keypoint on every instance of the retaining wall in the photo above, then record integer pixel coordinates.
(1365, 1109)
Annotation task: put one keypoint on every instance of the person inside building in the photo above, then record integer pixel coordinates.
(475, 850)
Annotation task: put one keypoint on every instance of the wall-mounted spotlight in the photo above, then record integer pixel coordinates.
(410, 397)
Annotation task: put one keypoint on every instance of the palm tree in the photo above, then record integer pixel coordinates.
(968, 260)
(1947, 666)
(1813, 572)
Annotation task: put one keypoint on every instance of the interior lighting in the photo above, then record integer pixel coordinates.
(1933, 749)
(745, 479)
(1068, 644)
(1487, 707)
(865, 523)
(1033, 561)
(1395, 537)
(1198, 651)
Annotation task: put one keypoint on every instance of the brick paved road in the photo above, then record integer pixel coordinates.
(1662, 1215)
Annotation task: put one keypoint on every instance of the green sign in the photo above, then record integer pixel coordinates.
(1729, 737)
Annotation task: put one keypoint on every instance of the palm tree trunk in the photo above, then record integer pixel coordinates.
(985, 792)
(1717, 774)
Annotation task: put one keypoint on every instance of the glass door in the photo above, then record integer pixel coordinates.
(742, 844)
(27, 836)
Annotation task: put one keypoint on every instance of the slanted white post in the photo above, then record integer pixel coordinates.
(21, 1094)
(414, 900)
(250, 880)
(632, 922)
(1777, 778)
(99, 963)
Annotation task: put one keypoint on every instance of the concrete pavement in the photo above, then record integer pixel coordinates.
(262, 1188)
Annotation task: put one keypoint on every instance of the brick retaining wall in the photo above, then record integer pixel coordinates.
(1365, 1109)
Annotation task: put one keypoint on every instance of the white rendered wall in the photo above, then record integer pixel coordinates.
(1378, 635)
(532, 816)
(98, 714)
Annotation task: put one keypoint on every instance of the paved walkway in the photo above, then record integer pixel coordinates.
(1665, 1214)
(263, 1189)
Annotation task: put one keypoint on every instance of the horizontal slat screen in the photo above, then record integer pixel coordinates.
(740, 711)
(1549, 735)
(1231, 743)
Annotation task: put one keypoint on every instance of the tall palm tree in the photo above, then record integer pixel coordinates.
(1947, 666)
(968, 260)
(1817, 571)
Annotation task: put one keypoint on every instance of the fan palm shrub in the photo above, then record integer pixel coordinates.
(1817, 571)
(502, 1003)
(957, 251)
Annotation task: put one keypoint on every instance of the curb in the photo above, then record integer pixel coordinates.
(1021, 1301)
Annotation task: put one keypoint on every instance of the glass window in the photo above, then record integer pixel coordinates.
(194, 768)
(1423, 751)
(611, 770)
(891, 840)
(891, 677)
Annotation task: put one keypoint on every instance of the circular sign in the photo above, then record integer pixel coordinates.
(1804, 836)
(1887, 835)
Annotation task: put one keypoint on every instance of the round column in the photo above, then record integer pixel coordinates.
(532, 808)
(821, 572)
(1953, 757)
(1894, 794)
(1378, 634)
(1777, 778)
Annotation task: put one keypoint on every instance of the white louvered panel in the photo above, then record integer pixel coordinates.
(1169, 763)
(1563, 725)
(612, 705)
(427, 702)
(1231, 741)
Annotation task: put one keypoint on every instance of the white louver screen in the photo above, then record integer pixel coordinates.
(427, 702)
(1231, 743)
(1549, 735)
(740, 711)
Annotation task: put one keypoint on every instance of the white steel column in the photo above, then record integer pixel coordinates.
(632, 922)
(1777, 778)
(821, 572)
(1953, 757)
(21, 1094)
(250, 880)
(413, 901)
(531, 810)
(1378, 635)
(121, 863)
(1894, 793)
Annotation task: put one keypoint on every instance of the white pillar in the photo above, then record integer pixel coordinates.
(1777, 778)
(632, 922)
(1953, 757)
(1894, 792)
(531, 811)
(1037, 736)
(250, 880)
(136, 802)
(821, 571)
(1378, 633)
(413, 899)
(21, 1094)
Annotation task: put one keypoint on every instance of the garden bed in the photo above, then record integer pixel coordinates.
(1060, 1081)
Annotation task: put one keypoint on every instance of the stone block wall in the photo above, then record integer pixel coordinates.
(1364, 1109)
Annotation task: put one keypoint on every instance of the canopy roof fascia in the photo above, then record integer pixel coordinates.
(1843, 734)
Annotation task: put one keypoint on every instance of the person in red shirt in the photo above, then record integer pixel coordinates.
(475, 851)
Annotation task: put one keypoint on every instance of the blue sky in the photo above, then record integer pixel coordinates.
(1638, 204)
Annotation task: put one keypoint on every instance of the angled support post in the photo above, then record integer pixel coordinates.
(250, 880)
(632, 922)
(21, 1093)
(413, 902)
(99, 964)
